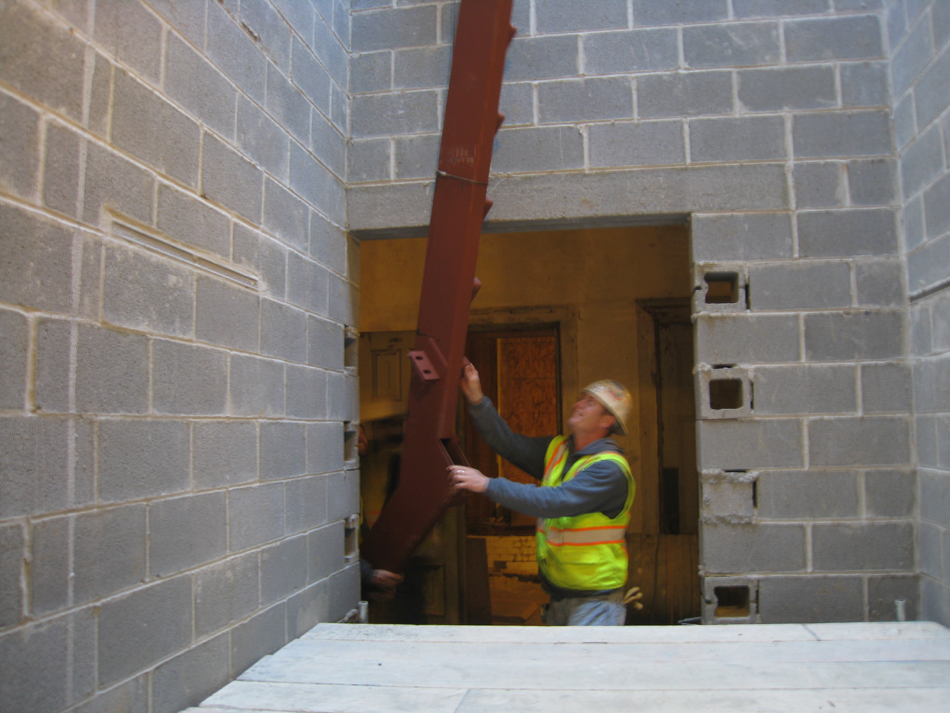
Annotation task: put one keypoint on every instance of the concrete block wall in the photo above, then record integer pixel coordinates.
(175, 392)
(920, 71)
(768, 124)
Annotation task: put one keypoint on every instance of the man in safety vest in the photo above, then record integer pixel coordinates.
(582, 506)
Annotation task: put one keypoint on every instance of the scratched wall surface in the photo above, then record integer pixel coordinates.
(175, 399)
(769, 127)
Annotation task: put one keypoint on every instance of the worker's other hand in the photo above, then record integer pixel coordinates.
(468, 479)
(472, 385)
(383, 585)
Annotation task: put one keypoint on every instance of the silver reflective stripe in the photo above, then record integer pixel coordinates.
(583, 536)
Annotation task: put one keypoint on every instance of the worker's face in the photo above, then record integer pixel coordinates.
(588, 415)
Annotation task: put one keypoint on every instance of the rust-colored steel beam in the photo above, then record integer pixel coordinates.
(458, 208)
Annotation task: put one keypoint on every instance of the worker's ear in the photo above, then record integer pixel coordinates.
(607, 421)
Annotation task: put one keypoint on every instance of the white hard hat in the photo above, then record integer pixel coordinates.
(614, 397)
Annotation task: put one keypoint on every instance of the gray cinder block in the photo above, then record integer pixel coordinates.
(714, 614)
(328, 243)
(872, 182)
(847, 233)
(307, 608)
(325, 343)
(192, 221)
(785, 600)
(61, 169)
(233, 50)
(306, 392)
(19, 147)
(728, 497)
(886, 388)
(283, 569)
(859, 335)
(883, 592)
(819, 185)
(647, 12)
(930, 100)
(723, 393)
(860, 546)
(227, 314)
(51, 389)
(831, 38)
(940, 310)
(100, 98)
(517, 104)
(800, 285)
(934, 497)
(191, 676)
(325, 551)
(720, 287)
(143, 627)
(325, 448)
(745, 339)
(805, 389)
(273, 31)
(932, 384)
(312, 78)
(132, 34)
(109, 551)
(537, 149)
(631, 51)
(753, 236)
(921, 162)
(808, 494)
(343, 395)
(331, 48)
(142, 458)
(288, 105)
(36, 268)
(328, 143)
(369, 72)
(306, 503)
(14, 339)
(34, 462)
(905, 123)
(394, 28)
(189, 380)
(283, 331)
(921, 330)
(651, 143)
(936, 208)
(286, 216)
(841, 134)
(865, 84)
(344, 588)
(256, 515)
(199, 87)
(554, 16)
(879, 283)
(309, 178)
(344, 301)
(422, 68)
(154, 131)
(262, 635)
(50, 564)
(859, 441)
(112, 371)
(740, 549)
(417, 156)
(534, 58)
(225, 453)
(12, 558)
(339, 107)
(730, 445)
(231, 180)
(256, 387)
(283, 450)
(737, 139)
(148, 293)
(689, 94)
(226, 592)
(927, 265)
(264, 255)
(890, 493)
(185, 532)
(787, 88)
(42, 59)
(262, 139)
(733, 45)
(387, 114)
(307, 284)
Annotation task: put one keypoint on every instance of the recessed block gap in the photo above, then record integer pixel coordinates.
(722, 287)
(732, 602)
(725, 394)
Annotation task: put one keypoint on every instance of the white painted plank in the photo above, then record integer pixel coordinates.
(311, 698)
(789, 651)
(864, 631)
(601, 672)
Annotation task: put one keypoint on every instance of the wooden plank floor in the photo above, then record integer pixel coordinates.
(789, 668)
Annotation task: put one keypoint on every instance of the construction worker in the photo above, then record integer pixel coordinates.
(582, 506)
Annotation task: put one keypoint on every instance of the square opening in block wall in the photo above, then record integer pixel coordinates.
(722, 287)
(725, 394)
(732, 602)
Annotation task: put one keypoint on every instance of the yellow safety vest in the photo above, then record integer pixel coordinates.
(586, 552)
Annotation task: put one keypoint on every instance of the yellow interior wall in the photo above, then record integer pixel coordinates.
(596, 274)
